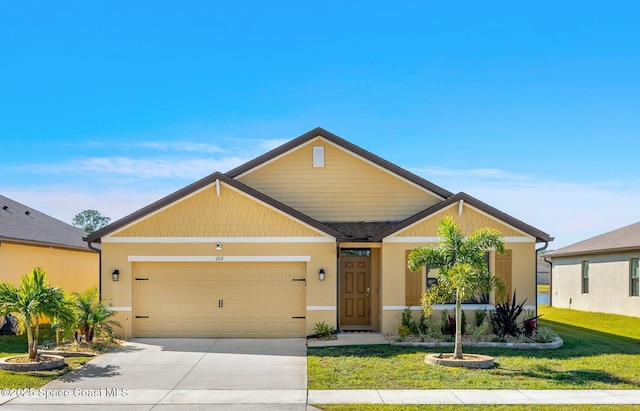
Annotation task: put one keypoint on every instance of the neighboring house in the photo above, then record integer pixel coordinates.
(316, 230)
(29, 238)
(544, 273)
(599, 274)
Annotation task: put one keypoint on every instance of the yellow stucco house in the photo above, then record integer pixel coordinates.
(29, 238)
(317, 229)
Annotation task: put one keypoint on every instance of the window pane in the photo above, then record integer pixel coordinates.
(585, 277)
(634, 281)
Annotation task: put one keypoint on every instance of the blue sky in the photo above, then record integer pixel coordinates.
(532, 108)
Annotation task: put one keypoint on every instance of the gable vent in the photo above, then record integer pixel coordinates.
(318, 156)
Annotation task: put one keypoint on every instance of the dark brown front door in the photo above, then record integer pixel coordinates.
(355, 291)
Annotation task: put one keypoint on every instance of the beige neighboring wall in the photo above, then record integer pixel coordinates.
(74, 271)
(608, 284)
(424, 233)
(292, 180)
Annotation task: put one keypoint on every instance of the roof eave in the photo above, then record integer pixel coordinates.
(540, 236)
(96, 236)
(613, 250)
(320, 132)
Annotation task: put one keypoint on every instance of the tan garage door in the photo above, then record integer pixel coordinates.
(219, 299)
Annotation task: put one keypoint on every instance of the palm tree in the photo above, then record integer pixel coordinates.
(93, 314)
(463, 271)
(33, 301)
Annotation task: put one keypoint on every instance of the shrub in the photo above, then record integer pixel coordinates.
(480, 316)
(434, 330)
(323, 330)
(403, 332)
(504, 319)
(448, 326)
(479, 331)
(407, 319)
(544, 334)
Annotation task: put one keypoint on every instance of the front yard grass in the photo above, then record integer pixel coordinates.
(474, 407)
(600, 351)
(17, 345)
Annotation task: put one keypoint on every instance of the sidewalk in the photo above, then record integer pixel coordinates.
(467, 397)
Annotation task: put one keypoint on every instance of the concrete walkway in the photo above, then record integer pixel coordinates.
(181, 373)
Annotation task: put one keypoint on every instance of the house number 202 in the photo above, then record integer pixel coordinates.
(219, 258)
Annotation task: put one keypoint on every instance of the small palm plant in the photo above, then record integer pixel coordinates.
(33, 301)
(463, 271)
(94, 315)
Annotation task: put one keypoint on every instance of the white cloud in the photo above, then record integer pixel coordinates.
(569, 211)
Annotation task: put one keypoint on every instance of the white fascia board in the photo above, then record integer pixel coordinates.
(437, 239)
(321, 308)
(208, 240)
(219, 258)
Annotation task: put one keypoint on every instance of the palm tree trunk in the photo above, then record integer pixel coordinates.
(32, 353)
(36, 336)
(457, 352)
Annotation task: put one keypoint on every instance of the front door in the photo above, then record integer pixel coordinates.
(355, 292)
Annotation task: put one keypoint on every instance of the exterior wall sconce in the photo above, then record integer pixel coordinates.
(321, 274)
(115, 275)
(219, 246)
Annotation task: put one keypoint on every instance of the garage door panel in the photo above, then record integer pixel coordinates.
(241, 300)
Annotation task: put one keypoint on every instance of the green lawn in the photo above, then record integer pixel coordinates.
(600, 352)
(17, 345)
(543, 288)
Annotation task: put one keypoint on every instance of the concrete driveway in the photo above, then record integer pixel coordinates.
(182, 373)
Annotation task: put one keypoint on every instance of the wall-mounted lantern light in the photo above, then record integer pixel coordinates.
(219, 246)
(321, 274)
(115, 275)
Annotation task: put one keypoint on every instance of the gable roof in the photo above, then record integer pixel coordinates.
(539, 235)
(22, 224)
(206, 181)
(623, 239)
(320, 132)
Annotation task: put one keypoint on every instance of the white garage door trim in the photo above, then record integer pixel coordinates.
(219, 258)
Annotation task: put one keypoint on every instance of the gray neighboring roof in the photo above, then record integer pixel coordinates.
(623, 239)
(22, 224)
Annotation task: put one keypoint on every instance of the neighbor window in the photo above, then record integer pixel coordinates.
(585, 277)
(634, 277)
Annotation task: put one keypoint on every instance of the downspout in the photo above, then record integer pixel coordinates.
(550, 281)
(544, 247)
(99, 267)
(337, 285)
